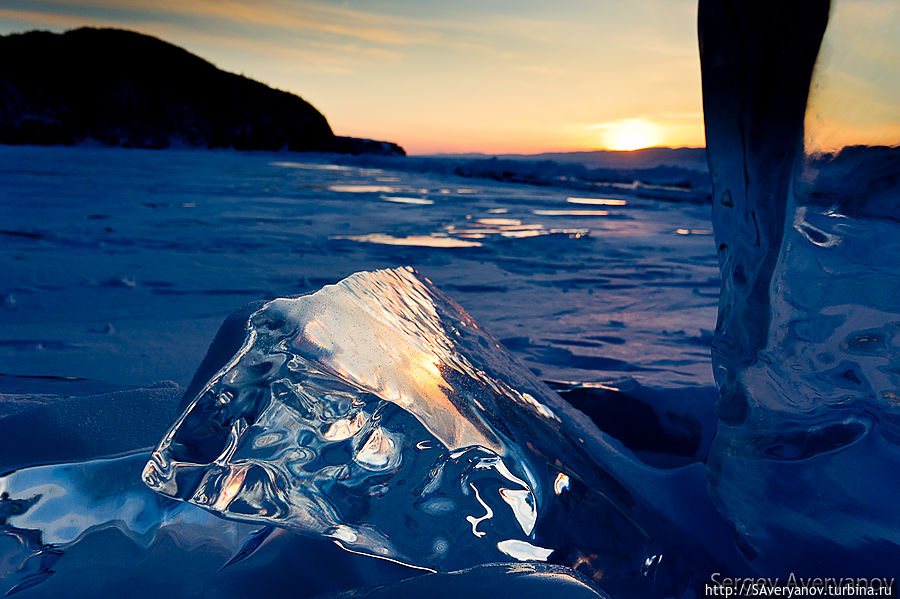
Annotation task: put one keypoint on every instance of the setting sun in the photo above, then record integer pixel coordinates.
(630, 134)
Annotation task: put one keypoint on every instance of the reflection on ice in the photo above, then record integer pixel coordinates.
(817, 235)
(408, 200)
(509, 222)
(313, 166)
(561, 483)
(597, 201)
(434, 241)
(362, 188)
(570, 212)
(693, 232)
(462, 236)
(510, 228)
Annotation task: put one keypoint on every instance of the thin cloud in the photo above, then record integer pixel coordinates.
(318, 57)
(294, 16)
(68, 21)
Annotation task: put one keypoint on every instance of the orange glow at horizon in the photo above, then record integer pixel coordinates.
(674, 131)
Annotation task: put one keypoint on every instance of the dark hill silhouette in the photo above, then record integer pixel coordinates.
(122, 88)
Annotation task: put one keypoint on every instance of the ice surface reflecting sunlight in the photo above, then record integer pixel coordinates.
(377, 413)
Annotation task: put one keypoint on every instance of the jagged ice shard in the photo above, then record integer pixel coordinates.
(348, 413)
(377, 413)
(806, 355)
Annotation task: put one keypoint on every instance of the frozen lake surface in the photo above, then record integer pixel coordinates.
(119, 265)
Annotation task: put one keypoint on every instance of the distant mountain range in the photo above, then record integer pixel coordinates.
(121, 88)
(686, 158)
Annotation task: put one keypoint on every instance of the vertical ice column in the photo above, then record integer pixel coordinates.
(807, 347)
(757, 61)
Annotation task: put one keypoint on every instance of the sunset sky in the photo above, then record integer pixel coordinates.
(498, 76)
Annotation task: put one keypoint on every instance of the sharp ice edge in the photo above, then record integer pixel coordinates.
(46, 510)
